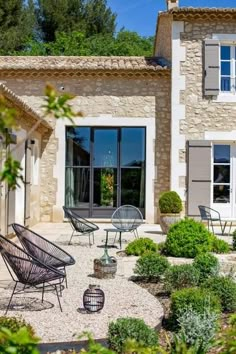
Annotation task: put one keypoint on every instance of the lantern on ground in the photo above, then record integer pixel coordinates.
(94, 298)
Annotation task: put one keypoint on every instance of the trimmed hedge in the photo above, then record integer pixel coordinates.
(141, 246)
(187, 238)
(151, 266)
(170, 203)
(207, 264)
(181, 276)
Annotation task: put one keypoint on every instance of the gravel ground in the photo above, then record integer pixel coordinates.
(123, 297)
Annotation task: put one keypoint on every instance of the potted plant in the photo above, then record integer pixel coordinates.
(170, 206)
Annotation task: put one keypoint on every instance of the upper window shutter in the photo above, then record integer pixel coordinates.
(199, 175)
(212, 72)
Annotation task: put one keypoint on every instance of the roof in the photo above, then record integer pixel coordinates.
(75, 63)
(202, 13)
(22, 105)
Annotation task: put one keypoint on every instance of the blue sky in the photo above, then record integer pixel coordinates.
(141, 15)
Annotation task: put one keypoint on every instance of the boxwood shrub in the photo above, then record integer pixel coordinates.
(220, 246)
(207, 264)
(170, 203)
(198, 299)
(181, 276)
(140, 246)
(151, 266)
(132, 328)
(14, 324)
(187, 238)
(225, 289)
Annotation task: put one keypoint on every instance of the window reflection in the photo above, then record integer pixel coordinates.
(132, 146)
(222, 153)
(221, 174)
(221, 194)
(78, 146)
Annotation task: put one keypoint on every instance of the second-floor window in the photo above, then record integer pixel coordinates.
(228, 68)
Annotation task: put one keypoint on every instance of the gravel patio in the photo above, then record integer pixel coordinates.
(122, 297)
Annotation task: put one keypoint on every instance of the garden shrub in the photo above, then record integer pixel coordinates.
(220, 246)
(130, 328)
(140, 246)
(170, 203)
(198, 299)
(151, 266)
(187, 238)
(225, 289)
(18, 342)
(14, 324)
(181, 276)
(207, 264)
(162, 248)
(198, 329)
(234, 240)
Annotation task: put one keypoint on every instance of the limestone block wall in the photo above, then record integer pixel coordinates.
(138, 97)
(202, 114)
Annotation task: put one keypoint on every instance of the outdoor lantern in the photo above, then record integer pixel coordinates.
(94, 298)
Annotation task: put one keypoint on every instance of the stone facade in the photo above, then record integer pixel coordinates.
(127, 97)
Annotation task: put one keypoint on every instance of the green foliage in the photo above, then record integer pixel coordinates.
(187, 238)
(162, 248)
(207, 264)
(14, 324)
(198, 329)
(170, 203)
(107, 186)
(234, 240)
(130, 328)
(94, 347)
(225, 289)
(220, 246)
(140, 246)
(181, 276)
(195, 298)
(227, 342)
(20, 342)
(90, 17)
(151, 266)
(11, 172)
(16, 25)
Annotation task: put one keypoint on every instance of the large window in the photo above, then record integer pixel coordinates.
(221, 174)
(227, 68)
(105, 168)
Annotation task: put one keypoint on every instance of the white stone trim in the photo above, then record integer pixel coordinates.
(221, 136)
(225, 97)
(108, 121)
(177, 109)
(228, 37)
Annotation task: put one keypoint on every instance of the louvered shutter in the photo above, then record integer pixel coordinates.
(27, 182)
(199, 175)
(212, 68)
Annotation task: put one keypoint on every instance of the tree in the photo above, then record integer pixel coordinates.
(16, 24)
(87, 16)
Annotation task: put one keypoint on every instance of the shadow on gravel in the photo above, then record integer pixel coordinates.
(25, 304)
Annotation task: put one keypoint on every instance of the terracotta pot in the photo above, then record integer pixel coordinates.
(166, 220)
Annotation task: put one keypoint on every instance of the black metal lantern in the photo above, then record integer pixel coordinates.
(94, 298)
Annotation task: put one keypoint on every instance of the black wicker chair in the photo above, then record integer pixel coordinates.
(80, 226)
(44, 250)
(29, 271)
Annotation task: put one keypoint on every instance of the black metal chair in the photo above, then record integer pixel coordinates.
(210, 215)
(29, 271)
(80, 226)
(127, 218)
(44, 250)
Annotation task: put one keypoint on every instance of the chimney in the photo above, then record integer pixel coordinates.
(172, 3)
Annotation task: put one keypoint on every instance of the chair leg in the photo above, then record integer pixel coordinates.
(93, 237)
(89, 240)
(120, 239)
(115, 238)
(11, 298)
(71, 237)
(43, 293)
(58, 298)
(65, 277)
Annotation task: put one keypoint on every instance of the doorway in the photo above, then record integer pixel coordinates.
(105, 168)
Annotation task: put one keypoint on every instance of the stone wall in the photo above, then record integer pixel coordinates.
(163, 37)
(137, 97)
(202, 114)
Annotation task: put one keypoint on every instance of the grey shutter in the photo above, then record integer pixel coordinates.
(199, 175)
(212, 68)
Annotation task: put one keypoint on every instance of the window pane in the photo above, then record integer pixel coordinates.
(225, 68)
(133, 186)
(105, 147)
(225, 84)
(225, 52)
(77, 187)
(105, 185)
(77, 146)
(221, 174)
(132, 146)
(221, 194)
(222, 153)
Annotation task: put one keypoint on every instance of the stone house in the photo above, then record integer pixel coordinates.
(149, 125)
